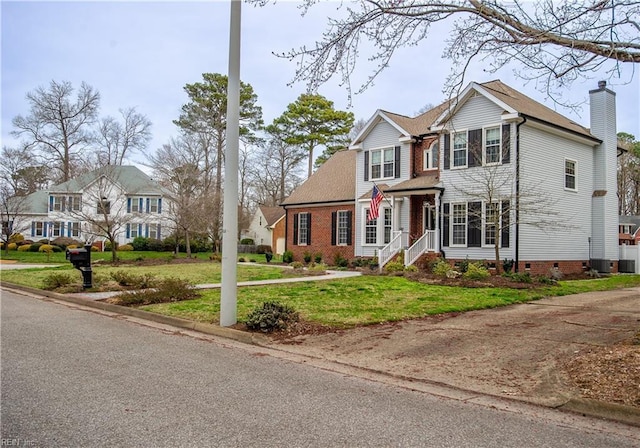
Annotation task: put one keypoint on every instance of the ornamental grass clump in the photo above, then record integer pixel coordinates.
(271, 317)
(167, 290)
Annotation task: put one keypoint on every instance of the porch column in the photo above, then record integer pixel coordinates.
(437, 235)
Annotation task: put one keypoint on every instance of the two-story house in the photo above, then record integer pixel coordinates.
(122, 199)
(491, 173)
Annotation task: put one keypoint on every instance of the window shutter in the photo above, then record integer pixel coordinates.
(158, 235)
(447, 155)
(474, 224)
(505, 224)
(334, 219)
(69, 229)
(146, 230)
(45, 231)
(33, 228)
(397, 164)
(308, 229)
(474, 155)
(50, 203)
(349, 227)
(148, 205)
(128, 230)
(140, 205)
(366, 166)
(63, 201)
(128, 205)
(295, 229)
(139, 229)
(506, 143)
(445, 224)
(159, 205)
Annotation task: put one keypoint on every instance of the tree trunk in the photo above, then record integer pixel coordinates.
(187, 243)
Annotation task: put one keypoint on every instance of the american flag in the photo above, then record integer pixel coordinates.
(374, 205)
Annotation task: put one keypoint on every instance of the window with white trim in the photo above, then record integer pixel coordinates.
(75, 229)
(303, 228)
(460, 149)
(133, 231)
(459, 224)
(387, 225)
(430, 157)
(491, 223)
(382, 163)
(57, 203)
(153, 231)
(342, 228)
(492, 147)
(378, 231)
(75, 203)
(135, 205)
(570, 173)
(153, 205)
(38, 229)
(57, 229)
(370, 229)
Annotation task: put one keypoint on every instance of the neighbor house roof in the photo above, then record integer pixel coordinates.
(272, 214)
(334, 181)
(130, 178)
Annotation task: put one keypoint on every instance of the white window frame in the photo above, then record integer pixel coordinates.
(57, 203)
(485, 224)
(135, 204)
(382, 163)
(342, 227)
(383, 226)
(38, 228)
(75, 203)
(453, 224)
(153, 229)
(75, 229)
(574, 174)
(153, 205)
(57, 228)
(303, 241)
(454, 149)
(427, 156)
(498, 144)
(134, 230)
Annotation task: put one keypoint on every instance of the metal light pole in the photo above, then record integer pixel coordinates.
(228, 296)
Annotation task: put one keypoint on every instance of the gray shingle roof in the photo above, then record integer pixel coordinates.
(272, 214)
(334, 181)
(132, 179)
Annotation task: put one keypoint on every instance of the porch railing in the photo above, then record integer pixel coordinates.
(390, 250)
(426, 242)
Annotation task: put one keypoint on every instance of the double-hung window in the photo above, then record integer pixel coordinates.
(459, 224)
(75, 203)
(303, 229)
(153, 205)
(153, 231)
(387, 225)
(460, 149)
(492, 146)
(370, 230)
(343, 228)
(570, 173)
(378, 231)
(38, 228)
(382, 163)
(58, 229)
(75, 229)
(133, 231)
(491, 223)
(135, 205)
(57, 203)
(430, 157)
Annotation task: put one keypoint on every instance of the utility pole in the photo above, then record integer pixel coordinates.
(229, 291)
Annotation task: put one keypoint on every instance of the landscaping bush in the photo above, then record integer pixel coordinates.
(24, 248)
(166, 290)
(317, 267)
(340, 261)
(317, 258)
(241, 260)
(476, 271)
(263, 249)
(49, 248)
(64, 242)
(12, 246)
(125, 248)
(140, 243)
(247, 241)
(155, 245)
(519, 277)
(306, 257)
(16, 238)
(271, 316)
(359, 262)
(57, 280)
(127, 279)
(35, 247)
(394, 266)
(442, 268)
(287, 256)
(507, 265)
(296, 265)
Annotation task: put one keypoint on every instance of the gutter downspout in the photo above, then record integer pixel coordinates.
(517, 242)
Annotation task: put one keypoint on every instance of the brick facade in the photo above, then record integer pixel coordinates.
(320, 234)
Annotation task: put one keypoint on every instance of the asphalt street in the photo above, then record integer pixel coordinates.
(71, 377)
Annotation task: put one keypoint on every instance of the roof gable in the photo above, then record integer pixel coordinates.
(130, 179)
(395, 120)
(272, 214)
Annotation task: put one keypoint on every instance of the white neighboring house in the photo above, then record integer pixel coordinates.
(122, 199)
(261, 228)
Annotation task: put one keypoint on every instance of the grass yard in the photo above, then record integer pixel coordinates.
(196, 273)
(373, 299)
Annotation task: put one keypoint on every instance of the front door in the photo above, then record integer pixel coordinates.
(429, 217)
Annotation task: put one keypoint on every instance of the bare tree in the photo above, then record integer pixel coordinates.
(554, 42)
(58, 127)
(13, 209)
(20, 172)
(629, 175)
(494, 203)
(117, 139)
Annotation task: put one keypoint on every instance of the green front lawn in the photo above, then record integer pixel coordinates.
(374, 299)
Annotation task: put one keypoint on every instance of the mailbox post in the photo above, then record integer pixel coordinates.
(81, 259)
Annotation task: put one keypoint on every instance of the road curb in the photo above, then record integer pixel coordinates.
(588, 407)
(210, 329)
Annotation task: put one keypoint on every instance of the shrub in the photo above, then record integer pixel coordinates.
(64, 242)
(140, 243)
(546, 280)
(411, 268)
(272, 316)
(520, 277)
(72, 246)
(57, 280)
(24, 248)
(263, 249)
(394, 266)
(507, 265)
(306, 257)
(317, 258)
(463, 266)
(127, 279)
(216, 256)
(360, 262)
(167, 290)
(35, 247)
(476, 271)
(556, 274)
(125, 248)
(317, 267)
(287, 256)
(16, 238)
(442, 268)
(297, 265)
(49, 248)
(340, 261)
(12, 246)
(247, 241)
(241, 259)
(155, 245)
(95, 249)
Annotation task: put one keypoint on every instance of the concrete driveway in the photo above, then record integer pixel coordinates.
(512, 351)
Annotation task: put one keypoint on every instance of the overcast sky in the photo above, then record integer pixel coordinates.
(143, 53)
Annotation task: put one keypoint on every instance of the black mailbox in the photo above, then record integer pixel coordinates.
(81, 260)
